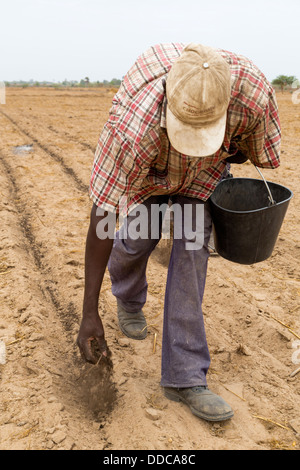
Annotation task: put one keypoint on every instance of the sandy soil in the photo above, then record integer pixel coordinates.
(49, 398)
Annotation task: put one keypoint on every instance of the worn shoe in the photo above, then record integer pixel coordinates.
(132, 325)
(202, 402)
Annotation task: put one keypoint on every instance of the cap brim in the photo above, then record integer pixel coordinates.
(195, 141)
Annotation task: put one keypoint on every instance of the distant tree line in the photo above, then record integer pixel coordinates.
(282, 82)
(286, 81)
(85, 82)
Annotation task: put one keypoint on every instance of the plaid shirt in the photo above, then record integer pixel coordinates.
(134, 158)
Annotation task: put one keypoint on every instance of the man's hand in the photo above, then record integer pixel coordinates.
(91, 328)
(239, 158)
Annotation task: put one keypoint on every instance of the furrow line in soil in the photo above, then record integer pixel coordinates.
(69, 136)
(43, 380)
(66, 310)
(54, 155)
(65, 136)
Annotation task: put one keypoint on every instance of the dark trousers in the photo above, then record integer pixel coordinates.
(185, 355)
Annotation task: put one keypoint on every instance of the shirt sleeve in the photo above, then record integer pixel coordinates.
(120, 167)
(262, 146)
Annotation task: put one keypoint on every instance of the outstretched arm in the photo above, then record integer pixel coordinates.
(96, 258)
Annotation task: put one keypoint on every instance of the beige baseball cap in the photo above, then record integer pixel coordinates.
(198, 93)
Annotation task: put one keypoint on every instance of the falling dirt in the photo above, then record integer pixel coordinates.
(96, 386)
(50, 398)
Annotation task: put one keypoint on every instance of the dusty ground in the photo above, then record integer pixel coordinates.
(251, 312)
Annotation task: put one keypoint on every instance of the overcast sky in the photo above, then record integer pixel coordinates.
(72, 39)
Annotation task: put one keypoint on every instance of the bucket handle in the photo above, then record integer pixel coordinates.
(270, 194)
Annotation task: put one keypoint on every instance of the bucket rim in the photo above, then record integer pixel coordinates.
(254, 210)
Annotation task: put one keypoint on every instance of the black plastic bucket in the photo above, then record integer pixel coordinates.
(246, 225)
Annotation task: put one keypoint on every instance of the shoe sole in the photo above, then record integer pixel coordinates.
(175, 397)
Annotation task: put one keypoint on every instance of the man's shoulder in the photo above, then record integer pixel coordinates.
(243, 66)
(152, 64)
(137, 105)
(250, 87)
(165, 52)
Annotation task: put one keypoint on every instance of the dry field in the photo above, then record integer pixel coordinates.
(251, 312)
